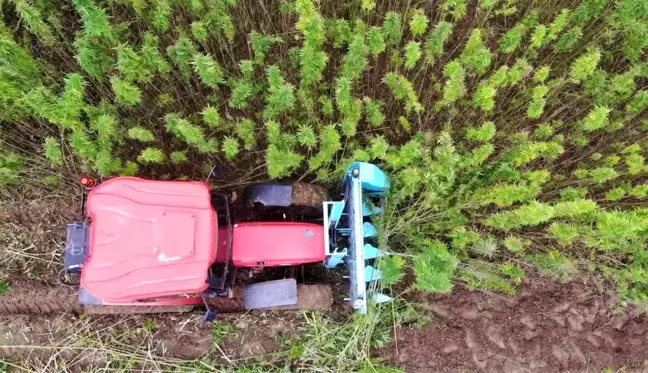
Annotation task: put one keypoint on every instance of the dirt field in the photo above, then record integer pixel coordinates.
(547, 327)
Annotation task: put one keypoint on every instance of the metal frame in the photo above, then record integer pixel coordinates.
(350, 224)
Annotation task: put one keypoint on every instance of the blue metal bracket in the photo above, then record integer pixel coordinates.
(347, 227)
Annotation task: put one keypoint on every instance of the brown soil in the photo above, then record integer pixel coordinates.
(32, 237)
(547, 327)
(80, 344)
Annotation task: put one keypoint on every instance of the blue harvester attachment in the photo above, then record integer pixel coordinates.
(350, 236)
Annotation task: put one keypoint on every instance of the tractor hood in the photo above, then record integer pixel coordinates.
(148, 239)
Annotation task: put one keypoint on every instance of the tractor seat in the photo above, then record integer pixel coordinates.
(148, 239)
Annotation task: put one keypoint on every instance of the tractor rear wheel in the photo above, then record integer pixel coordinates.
(45, 300)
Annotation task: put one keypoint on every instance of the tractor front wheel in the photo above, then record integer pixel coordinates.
(308, 195)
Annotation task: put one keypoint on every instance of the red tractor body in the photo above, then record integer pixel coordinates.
(151, 240)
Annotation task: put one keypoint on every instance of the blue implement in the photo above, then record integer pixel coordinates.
(369, 230)
(371, 252)
(347, 225)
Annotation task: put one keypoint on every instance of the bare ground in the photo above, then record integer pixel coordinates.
(160, 343)
(547, 327)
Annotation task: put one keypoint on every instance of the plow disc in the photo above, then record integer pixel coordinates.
(51, 300)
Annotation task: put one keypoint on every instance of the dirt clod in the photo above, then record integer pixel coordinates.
(561, 355)
(562, 307)
(495, 337)
(440, 311)
(577, 353)
(538, 364)
(527, 321)
(593, 340)
(559, 320)
(621, 322)
(575, 323)
(470, 314)
(450, 348)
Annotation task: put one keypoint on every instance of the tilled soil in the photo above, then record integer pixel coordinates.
(547, 327)
(32, 237)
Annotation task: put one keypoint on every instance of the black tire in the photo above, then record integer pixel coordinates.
(308, 195)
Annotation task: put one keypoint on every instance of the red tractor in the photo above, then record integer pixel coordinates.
(158, 245)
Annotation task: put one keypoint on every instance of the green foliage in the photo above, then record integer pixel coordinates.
(541, 74)
(355, 61)
(392, 29)
(179, 156)
(484, 97)
(457, 8)
(434, 268)
(418, 23)
(32, 18)
(392, 269)
(373, 111)
(208, 70)
(513, 37)
(455, 86)
(160, 14)
(376, 41)
(181, 53)
(242, 92)
(561, 176)
(564, 233)
(596, 119)
(151, 57)
(280, 97)
(412, 54)
(140, 134)
(126, 94)
(261, 45)
(554, 264)
(281, 162)
(584, 66)
(151, 155)
(514, 244)
(199, 31)
(131, 66)
(306, 136)
(53, 151)
(211, 117)
(475, 55)
(246, 131)
(404, 91)
(4, 287)
(230, 147)
(190, 133)
(437, 40)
